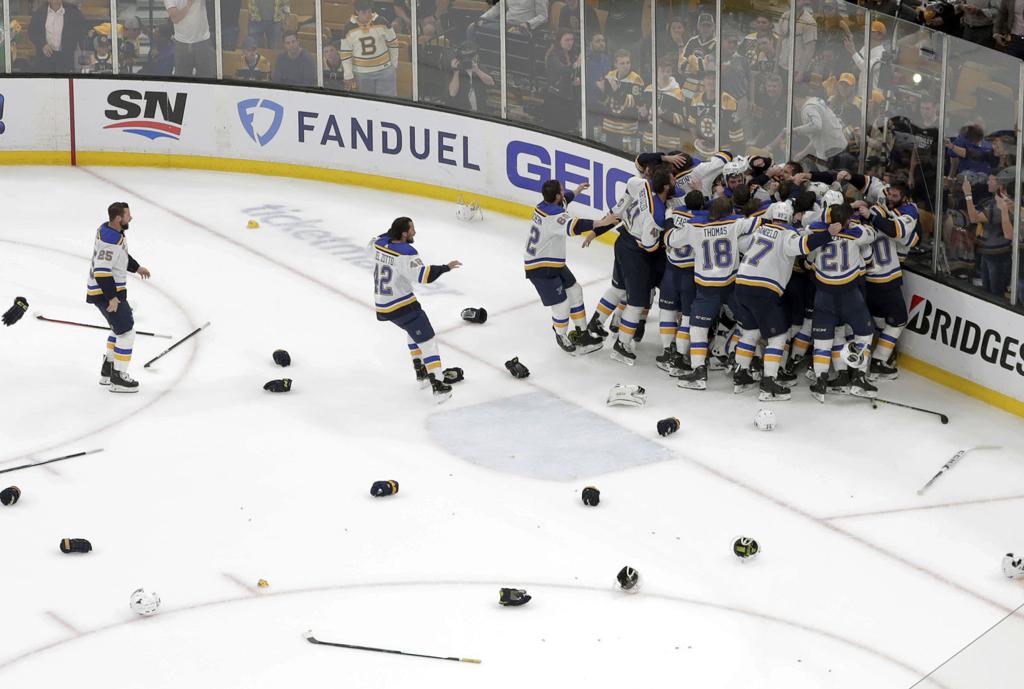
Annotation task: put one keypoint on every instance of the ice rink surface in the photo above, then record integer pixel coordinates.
(208, 484)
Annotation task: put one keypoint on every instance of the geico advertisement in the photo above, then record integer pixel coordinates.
(964, 335)
(34, 115)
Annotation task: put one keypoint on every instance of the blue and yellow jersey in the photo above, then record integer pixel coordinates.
(768, 260)
(895, 234)
(717, 245)
(549, 227)
(841, 262)
(396, 267)
(111, 263)
(642, 214)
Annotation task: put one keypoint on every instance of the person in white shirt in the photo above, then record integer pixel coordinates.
(193, 47)
(520, 15)
(824, 131)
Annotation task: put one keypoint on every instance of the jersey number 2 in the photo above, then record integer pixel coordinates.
(382, 280)
(531, 246)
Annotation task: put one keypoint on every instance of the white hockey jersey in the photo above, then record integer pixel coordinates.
(642, 214)
(841, 262)
(717, 245)
(108, 271)
(768, 262)
(368, 48)
(701, 175)
(396, 267)
(888, 252)
(551, 224)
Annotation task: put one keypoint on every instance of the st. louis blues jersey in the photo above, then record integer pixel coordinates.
(642, 214)
(717, 246)
(768, 262)
(111, 263)
(682, 256)
(840, 263)
(396, 267)
(545, 249)
(895, 234)
(701, 175)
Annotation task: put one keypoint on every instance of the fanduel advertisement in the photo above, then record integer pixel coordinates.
(963, 335)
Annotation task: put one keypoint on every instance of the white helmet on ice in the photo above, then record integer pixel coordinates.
(144, 603)
(468, 212)
(780, 211)
(764, 419)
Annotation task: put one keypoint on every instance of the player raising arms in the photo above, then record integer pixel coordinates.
(544, 261)
(396, 268)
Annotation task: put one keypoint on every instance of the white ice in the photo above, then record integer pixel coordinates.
(207, 483)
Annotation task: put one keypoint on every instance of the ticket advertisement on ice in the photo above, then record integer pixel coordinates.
(964, 335)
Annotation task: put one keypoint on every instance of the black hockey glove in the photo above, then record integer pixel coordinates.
(10, 495)
(282, 358)
(75, 545)
(280, 385)
(513, 597)
(13, 314)
(475, 315)
(381, 488)
(516, 368)
(591, 496)
(668, 426)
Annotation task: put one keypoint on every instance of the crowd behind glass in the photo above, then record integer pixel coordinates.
(892, 89)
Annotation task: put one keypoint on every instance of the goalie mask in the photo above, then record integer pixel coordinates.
(468, 211)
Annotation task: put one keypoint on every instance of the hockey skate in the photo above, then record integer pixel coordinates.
(718, 363)
(422, 377)
(596, 328)
(585, 341)
(771, 391)
(859, 385)
(105, 371)
(810, 375)
(680, 365)
(442, 391)
(641, 328)
(120, 381)
(742, 381)
(756, 368)
(623, 353)
(841, 383)
(697, 379)
(882, 370)
(792, 366)
(664, 360)
(786, 377)
(820, 387)
(563, 341)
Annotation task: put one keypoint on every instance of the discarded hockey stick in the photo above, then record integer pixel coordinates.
(942, 417)
(166, 351)
(41, 317)
(313, 640)
(952, 462)
(51, 461)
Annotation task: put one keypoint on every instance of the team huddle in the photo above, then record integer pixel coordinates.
(750, 264)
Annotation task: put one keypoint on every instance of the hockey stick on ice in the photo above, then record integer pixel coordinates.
(942, 417)
(51, 461)
(952, 462)
(41, 317)
(166, 351)
(313, 640)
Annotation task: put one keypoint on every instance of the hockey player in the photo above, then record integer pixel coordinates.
(838, 267)
(895, 225)
(642, 211)
(717, 244)
(676, 292)
(108, 290)
(397, 266)
(369, 52)
(765, 270)
(544, 261)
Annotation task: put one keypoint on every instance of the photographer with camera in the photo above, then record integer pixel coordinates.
(467, 82)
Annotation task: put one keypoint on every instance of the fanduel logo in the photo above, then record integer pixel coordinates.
(136, 113)
(964, 335)
(247, 112)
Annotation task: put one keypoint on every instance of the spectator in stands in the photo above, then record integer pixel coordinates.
(230, 11)
(334, 73)
(944, 17)
(254, 66)
(768, 116)
(520, 15)
(1009, 27)
(750, 46)
(845, 102)
(970, 151)
(622, 26)
(806, 41)
(833, 27)
(266, 22)
(56, 30)
(703, 44)
(924, 162)
(160, 61)
(467, 85)
(673, 43)
(978, 20)
(622, 88)
(820, 125)
(1004, 151)
(294, 66)
(671, 111)
(994, 232)
(101, 61)
(598, 65)
(562, 103)
(193, 48)
(569, 20)
(369, 52)
(878, 48)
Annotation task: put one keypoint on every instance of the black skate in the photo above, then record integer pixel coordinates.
(623, 354)
(742, 381)
(422, 377)
(859, 385)
(665, 359)
(719, 363)
(453, 375)
(442, 391)
(841, 383)
(792, 366)
(105, 371)
(881, 370)
(785, 377)
(756, 368)
(563, 342)
(120, 381)
(585, 341)
(771, 391)
(680, 365)
(641, 328)
(697, 379)
(820, 387)
(596, 328)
